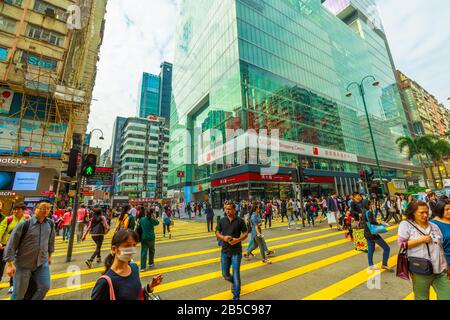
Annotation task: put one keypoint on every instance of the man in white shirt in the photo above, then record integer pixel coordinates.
(133, 211)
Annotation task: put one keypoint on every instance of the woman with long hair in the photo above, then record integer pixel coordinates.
(442, 220)
(123, 222)
(98, 226)
(121, 280)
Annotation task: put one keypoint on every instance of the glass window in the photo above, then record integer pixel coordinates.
(7, 24)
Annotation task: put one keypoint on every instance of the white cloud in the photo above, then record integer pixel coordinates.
(139, 36)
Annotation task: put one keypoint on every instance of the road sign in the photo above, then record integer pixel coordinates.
(102, 177)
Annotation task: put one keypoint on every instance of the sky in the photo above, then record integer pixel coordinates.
(139, 35)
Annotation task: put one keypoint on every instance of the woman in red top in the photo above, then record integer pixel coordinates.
(67, 219)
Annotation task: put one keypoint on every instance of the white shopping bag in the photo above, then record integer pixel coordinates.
(331, 218)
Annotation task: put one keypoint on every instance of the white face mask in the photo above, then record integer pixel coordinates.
(126, 255)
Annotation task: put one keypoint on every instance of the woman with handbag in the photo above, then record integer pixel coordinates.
(373, 237)
(426, 261)
(121, 279)
(98, 227)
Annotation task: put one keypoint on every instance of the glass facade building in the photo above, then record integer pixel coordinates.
(148, 103)
(285, 65)
(165, 93)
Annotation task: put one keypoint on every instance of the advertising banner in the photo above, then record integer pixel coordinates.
(36, 137)
(6, 98)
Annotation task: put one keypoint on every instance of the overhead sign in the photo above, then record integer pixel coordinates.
(102, 177)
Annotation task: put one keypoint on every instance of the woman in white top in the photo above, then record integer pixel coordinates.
(424, 240)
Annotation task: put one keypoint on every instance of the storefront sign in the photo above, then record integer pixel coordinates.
(8, 194)
(251, 177)
(13, 161)
(311, 179)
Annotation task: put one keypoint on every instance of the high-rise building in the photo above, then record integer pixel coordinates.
(105, 159)
(165, 90)
(155, 93)
(428, 115)
(115, 151)
(144, 163)
(148, 95)
(48, 70)
(285, 65)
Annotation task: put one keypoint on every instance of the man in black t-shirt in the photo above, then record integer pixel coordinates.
(232, 230)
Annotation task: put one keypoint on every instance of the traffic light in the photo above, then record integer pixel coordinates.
(89, 165)
(363, 175)
(72, 163)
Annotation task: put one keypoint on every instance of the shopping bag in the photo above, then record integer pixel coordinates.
(402, 262)
(360, 241)
(331, 218)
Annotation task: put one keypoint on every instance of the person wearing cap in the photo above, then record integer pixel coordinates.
(6, 228)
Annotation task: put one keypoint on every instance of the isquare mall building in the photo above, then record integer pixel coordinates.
(284, 65)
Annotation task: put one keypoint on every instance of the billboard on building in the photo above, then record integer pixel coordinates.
(37, 137)
(6, 98)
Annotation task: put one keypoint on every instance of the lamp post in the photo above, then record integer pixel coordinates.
(362, 92)
(76, 200)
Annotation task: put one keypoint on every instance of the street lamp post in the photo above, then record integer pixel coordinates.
(363, 95)
(76, 200)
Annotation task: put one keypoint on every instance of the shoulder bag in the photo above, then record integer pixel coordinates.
(420, 266)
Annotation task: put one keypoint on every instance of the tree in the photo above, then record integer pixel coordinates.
(417, 147)
(440, 152)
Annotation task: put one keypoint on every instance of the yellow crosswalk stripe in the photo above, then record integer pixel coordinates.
(348, 284)
(207, 251)
(264, 283)
(433, 295)
(205, 277)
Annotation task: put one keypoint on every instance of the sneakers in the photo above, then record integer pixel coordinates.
(289, 228)
(99, 260)
(11, 289)
(170, 236)
(298, 228)
(270, 253)
(89, 264)
(374, 268)
(248, 256)
(152, 265)
(267, 261)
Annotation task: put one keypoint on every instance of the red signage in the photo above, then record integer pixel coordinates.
(251, 177)
(311, 179)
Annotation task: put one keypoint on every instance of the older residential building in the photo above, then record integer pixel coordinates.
(427, 114)
(48, 56)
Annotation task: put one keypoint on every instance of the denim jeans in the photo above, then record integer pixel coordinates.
(41, 277)
(295, 221)
(98, 249)
(383, 245)
(66, 232)
(250, 245)
(258, 242)
(310, 217)
(232, 261)
(148, 248)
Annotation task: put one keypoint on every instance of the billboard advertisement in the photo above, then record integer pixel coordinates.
(26, 181)
(36, 137)
(6, 98)
(6, 181)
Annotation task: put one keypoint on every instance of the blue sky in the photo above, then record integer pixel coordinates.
(139, 36)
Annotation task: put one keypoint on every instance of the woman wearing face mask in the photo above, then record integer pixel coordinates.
(121, 279)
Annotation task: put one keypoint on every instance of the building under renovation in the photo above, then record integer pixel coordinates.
(48, 56)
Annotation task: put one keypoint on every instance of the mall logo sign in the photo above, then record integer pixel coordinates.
(13, 161)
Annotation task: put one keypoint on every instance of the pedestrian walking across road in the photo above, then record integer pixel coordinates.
(66, 223)
(28, 254)
(121, 279)
(98, 227)
(374, 238)
(147, 234)
(167, 222)
(232, 231)
(6, 228)
(210, 217)
(126, 219)
(426, 259)
(82, 220)
(442, 220)
(291, 214)
(257, 238)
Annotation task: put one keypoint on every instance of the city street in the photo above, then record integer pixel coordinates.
(316, 263)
